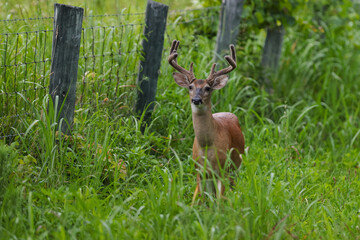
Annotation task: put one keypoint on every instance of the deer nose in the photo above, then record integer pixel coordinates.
(196, 101)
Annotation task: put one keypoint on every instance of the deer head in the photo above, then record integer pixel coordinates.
(200, 89)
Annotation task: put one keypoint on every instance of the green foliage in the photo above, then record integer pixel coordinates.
(262, 14)
(300, 174)
(8, 158)
(210, 3)
(271, 13)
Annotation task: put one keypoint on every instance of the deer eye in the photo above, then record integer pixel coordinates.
(207, 88)
(190, 87)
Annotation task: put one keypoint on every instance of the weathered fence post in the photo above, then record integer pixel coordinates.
(154, 30)
(271, 53)
(64, 60)
(229, 25)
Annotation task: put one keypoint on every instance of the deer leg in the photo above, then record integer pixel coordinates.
(220, 188)
(197, 190)
(195, 195)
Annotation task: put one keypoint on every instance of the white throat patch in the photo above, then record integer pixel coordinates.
(198, 108)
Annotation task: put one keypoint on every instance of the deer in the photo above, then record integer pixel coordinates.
(216, 135)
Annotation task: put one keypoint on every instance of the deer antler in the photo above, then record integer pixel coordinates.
(172, 61)
(231, 60)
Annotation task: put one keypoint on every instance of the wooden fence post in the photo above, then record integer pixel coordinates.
(229, 26)
(64, 60)
(153, 43)
(271, 53)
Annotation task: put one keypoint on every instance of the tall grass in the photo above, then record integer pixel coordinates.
(108, 180)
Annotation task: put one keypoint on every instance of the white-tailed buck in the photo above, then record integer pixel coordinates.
(215, 134)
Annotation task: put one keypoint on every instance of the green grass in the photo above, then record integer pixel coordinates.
(299, 178)
(44, 8)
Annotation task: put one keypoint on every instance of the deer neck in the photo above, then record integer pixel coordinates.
(204, 124)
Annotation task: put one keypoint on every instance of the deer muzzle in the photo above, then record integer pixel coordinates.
(197, 101)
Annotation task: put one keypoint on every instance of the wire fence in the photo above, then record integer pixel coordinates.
(110, 52)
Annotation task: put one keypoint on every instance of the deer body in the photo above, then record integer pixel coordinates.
(215, 134)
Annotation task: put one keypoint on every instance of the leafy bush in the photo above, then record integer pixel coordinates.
(8, 164)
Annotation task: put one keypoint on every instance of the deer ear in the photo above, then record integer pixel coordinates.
(181, 79)
(220, 82)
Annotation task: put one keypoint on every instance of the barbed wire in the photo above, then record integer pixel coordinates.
(107, 54)
(24, 90)
(25, 63)
(25, 19)
(21, 33)
(193, 9)
(115, 15)
(85, 28)
(115, 26)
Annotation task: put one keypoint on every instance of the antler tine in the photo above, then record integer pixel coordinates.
(213, 69)
(174, 46)
(191, 67)
(211, 77)
(173, 62)
(233, 53)
(231, 60)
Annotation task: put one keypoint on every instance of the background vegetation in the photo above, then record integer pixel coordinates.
(300, 176)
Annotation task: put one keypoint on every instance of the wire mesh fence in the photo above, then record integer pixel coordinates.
(25, 69)
(108, 65)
